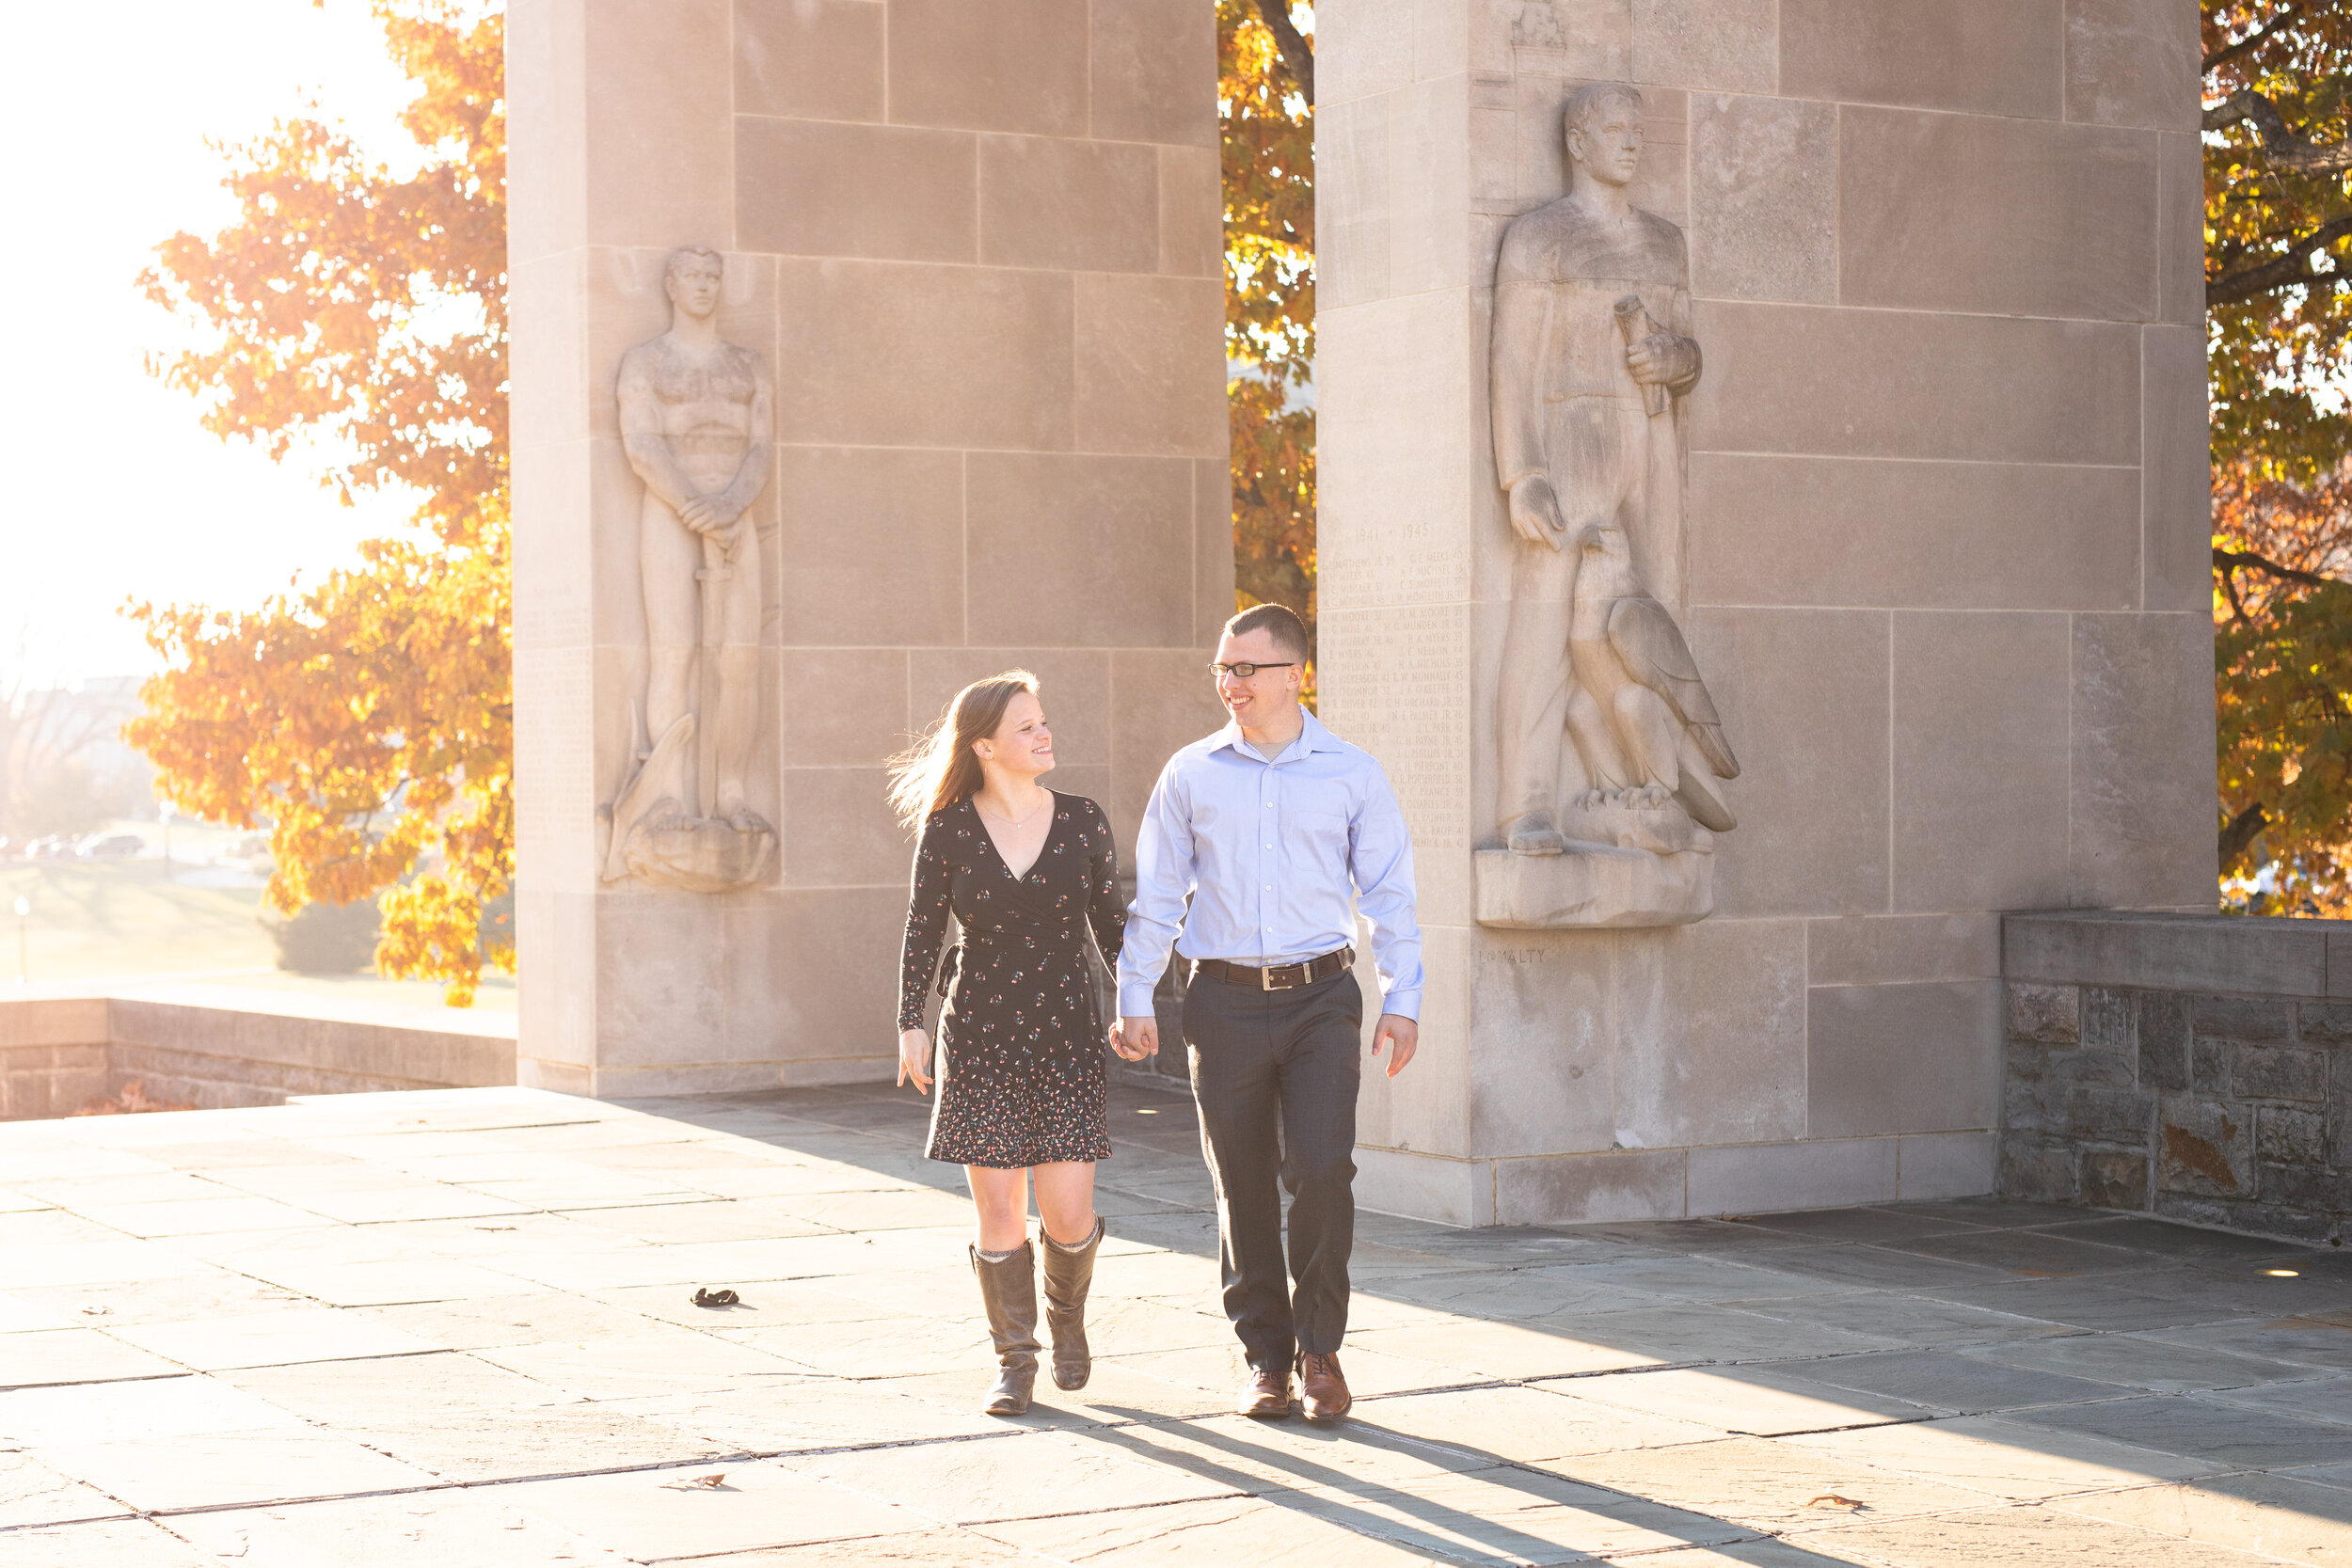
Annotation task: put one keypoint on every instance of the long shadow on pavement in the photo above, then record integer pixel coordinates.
(2119, 1352)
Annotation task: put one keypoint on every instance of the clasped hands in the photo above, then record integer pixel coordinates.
(1134, 1039)
(712, 516)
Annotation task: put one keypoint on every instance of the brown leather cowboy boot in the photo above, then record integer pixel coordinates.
(1008, 1290)
(1068, 1274)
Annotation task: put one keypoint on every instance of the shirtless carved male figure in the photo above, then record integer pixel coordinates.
(696, 422)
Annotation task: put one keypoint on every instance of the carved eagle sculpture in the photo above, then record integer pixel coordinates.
(1638, 686)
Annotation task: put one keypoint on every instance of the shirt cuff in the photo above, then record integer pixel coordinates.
(1404, 1004)
(1134, 1001)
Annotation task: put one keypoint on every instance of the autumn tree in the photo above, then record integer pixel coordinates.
(2277, 232)
(366, 719)
(1265, 101)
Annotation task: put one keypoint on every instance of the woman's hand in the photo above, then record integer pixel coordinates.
(1134, 1039)
(915, 1059)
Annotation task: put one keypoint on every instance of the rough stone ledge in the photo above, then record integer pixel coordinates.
(213, 1046)
(2194, 1067)
(2249, 955)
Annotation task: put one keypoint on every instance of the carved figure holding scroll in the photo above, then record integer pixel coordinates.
(1592, 359)
(697, 423)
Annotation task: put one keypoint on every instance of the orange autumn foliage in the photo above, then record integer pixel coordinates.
(1268, 123)
(2278, 144)
(2283, 645)
(368, 719)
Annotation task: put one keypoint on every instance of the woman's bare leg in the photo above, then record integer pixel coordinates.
(1000, 1202)
(1065, 1200)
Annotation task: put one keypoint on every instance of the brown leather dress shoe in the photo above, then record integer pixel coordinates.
(1267, 1395)
(1322, 1391)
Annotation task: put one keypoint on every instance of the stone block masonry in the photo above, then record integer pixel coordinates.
(975, 245)
(2194, 1067)
(1928, 510)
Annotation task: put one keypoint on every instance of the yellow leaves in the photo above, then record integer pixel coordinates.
(369, 720)
(2282, 652)
(1268, 158)
(1270, 302)
(332, 300)
(2279, 329)
(2280, 340)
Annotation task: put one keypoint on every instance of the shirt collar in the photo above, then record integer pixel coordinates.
(1312, 737)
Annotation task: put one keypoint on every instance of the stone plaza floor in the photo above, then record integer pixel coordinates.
(454, 1329)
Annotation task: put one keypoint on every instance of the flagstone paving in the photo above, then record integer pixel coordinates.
(455, 1329)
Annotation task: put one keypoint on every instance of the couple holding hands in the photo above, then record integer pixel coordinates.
(1260, 846)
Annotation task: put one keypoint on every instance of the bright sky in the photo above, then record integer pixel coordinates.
(118, 491)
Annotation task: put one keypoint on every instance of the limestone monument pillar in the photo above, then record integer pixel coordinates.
(861, 348)
(1763, 530)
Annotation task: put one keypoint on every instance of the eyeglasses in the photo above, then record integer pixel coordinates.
(1246, 670)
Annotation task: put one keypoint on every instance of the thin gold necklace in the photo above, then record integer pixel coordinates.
(1013, 821)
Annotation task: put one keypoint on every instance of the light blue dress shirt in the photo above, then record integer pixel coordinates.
(1269, 852)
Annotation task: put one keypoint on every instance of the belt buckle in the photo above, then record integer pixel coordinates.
(1265, 977)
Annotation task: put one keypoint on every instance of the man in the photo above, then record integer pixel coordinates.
(1592, 357)
(1269, 826)
(697, 425)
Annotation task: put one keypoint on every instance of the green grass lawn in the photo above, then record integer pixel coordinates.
(93, 919)
(133, 919)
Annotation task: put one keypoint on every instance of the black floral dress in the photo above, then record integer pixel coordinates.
(1021, 1072)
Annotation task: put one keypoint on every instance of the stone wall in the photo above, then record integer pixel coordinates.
(2198, 1068)
(979, 243)
(207, 1046)
(1946, 571)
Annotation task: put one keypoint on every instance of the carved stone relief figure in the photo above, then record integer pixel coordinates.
(698, 421)
(1610, 752)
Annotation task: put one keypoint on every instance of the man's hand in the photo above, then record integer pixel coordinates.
(711, 515)
(1662, 359)
(1535, 512)
(1404, 1034)
(915, 1059)
(1134, 1039)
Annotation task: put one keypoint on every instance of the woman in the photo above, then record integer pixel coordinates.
(1026, 871)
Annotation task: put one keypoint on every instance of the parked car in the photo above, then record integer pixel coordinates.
(56, 846)
(110, 847)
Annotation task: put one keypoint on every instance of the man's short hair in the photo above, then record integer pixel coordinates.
(696, 252)
(1281, 621)
(1588, 99)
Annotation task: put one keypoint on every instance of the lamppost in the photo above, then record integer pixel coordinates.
(23, 912)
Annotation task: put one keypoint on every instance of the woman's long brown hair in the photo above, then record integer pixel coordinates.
(941, 770)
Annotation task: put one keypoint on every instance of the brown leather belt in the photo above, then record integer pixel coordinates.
(1278, 977)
